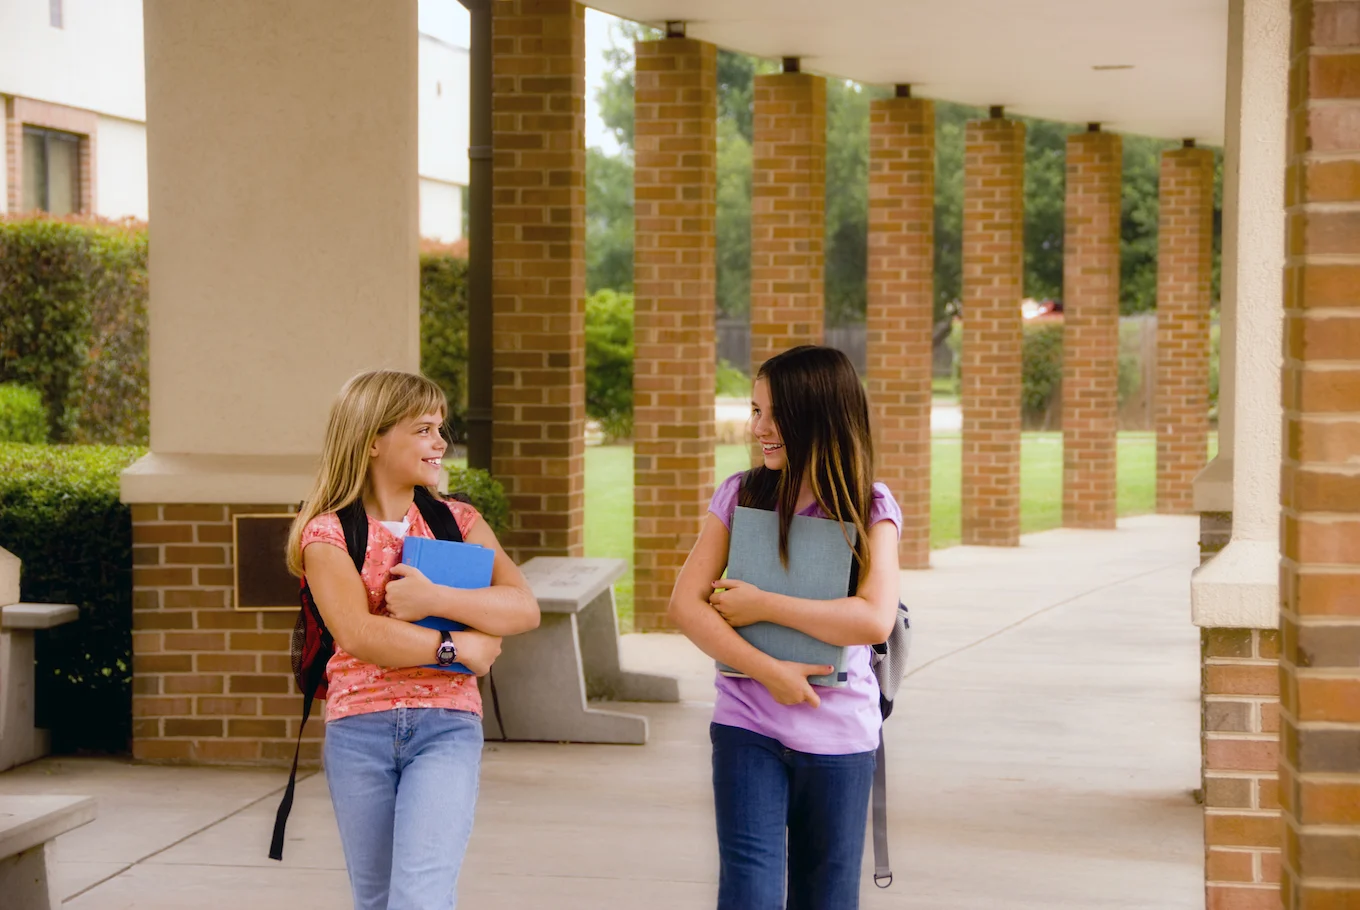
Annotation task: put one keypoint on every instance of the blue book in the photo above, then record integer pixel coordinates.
(819, 569)
(456, 565)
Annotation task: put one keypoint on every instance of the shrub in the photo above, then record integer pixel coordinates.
(115, 391)
(609, 361)
(444, 333)
(486, 494)
(60, 514)
(732, 382)
(22, 415)
(1042, 373)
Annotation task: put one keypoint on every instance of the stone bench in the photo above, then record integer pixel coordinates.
(544, 680)
(20, 741)
(28, 826)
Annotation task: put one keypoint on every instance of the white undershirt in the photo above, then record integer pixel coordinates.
(398, 528)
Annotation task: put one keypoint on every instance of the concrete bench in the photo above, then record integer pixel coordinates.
(28, 825)
(545, 679)
(20, 741)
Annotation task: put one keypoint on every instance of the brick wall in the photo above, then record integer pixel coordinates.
(1240, 726)
(899, 315)
(211, 684)
(675, 210)
(788, 213)
(1320, 480)
(1184, 247)
(538, 264)
(993, 284)
(1090, 384)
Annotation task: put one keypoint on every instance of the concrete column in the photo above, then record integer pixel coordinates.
(675, 209)
(1090, 385)
(1235, 594)
(993, 284)
(281, 267)
(539, 272)
(900, 308)
(1184, 266)
(788, 213)
(1320, 482)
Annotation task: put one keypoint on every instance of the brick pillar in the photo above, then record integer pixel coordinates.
(788, 213)
(1184, 261)
(1090, 389)
(993, 284)
(211, 684)
(900, 309)
(538, 269)
(1240, 724)
(675, 208)
(1320, 489)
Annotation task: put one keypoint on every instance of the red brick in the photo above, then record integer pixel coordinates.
(1243, 830)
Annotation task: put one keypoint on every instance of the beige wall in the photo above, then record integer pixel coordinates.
(283, 189)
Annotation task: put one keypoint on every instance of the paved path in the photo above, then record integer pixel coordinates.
(1043, 756)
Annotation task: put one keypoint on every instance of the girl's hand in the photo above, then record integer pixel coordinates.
(410, 595)
(477, 651)
(788, 682)
(741, 603)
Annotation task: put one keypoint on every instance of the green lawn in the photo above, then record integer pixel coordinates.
(609, 491)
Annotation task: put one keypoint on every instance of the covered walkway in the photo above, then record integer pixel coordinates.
(1045, 755)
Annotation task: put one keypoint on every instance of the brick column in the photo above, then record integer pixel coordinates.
(538, 269)
(900, 308)
(788, 213)
(1184, 262)
(1090, 389)
(1320, 489)
(993, 284)
(675, 208)
(211, 684)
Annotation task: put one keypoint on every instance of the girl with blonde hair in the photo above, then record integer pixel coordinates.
(403, 739)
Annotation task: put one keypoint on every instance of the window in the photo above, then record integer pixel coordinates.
(55, 13)
(51, 171)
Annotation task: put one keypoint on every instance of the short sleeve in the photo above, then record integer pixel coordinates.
(464, 514)
(724, 502)
(324, 529)
(885, 508)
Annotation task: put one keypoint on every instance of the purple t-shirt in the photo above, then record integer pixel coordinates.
(848, 719)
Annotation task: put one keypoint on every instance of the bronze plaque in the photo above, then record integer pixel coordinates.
(263, 581)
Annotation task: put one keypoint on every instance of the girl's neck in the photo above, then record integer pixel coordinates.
(387, 502)
(805, 497)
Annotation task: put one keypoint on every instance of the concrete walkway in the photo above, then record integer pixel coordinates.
(1043, 755)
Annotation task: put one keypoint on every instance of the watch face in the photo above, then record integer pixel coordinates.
(445, 654)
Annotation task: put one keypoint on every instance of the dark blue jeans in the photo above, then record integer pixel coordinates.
(762, 790)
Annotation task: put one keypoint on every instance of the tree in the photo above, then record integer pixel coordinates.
(609, 222)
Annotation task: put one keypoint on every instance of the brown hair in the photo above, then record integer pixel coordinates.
(823, 418)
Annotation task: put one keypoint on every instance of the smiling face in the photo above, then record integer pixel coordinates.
(763, 427)
(410, 453)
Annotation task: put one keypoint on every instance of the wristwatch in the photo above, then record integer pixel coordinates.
(446, 653)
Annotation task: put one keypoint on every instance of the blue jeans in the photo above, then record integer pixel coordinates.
(762, 790)
(404, 786)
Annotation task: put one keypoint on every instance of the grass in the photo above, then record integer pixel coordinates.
(609, 491)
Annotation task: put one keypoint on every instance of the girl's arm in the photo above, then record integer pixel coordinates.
(381, 640)
(507, 607)
(865, 619)
(691, 612)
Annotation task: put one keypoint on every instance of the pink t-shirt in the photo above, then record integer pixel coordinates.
(849, 718)
(358, 687)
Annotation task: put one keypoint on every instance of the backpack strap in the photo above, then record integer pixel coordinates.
(437, 516)
(882, 871)
(354, 524)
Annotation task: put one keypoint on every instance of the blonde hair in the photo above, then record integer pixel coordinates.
(368, 406)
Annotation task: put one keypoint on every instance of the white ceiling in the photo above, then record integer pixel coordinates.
(1035, 57)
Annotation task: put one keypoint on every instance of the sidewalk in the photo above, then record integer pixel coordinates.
(1043, 755)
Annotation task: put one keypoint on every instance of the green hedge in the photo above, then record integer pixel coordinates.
(73, 324)
(486, 494)
(444, 333)
(609, 362)
(60, 514)
(22, 415)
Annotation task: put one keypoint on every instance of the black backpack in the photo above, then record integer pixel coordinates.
(312, 644)
(889, 661)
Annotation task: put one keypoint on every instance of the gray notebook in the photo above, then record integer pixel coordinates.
(819, 569)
